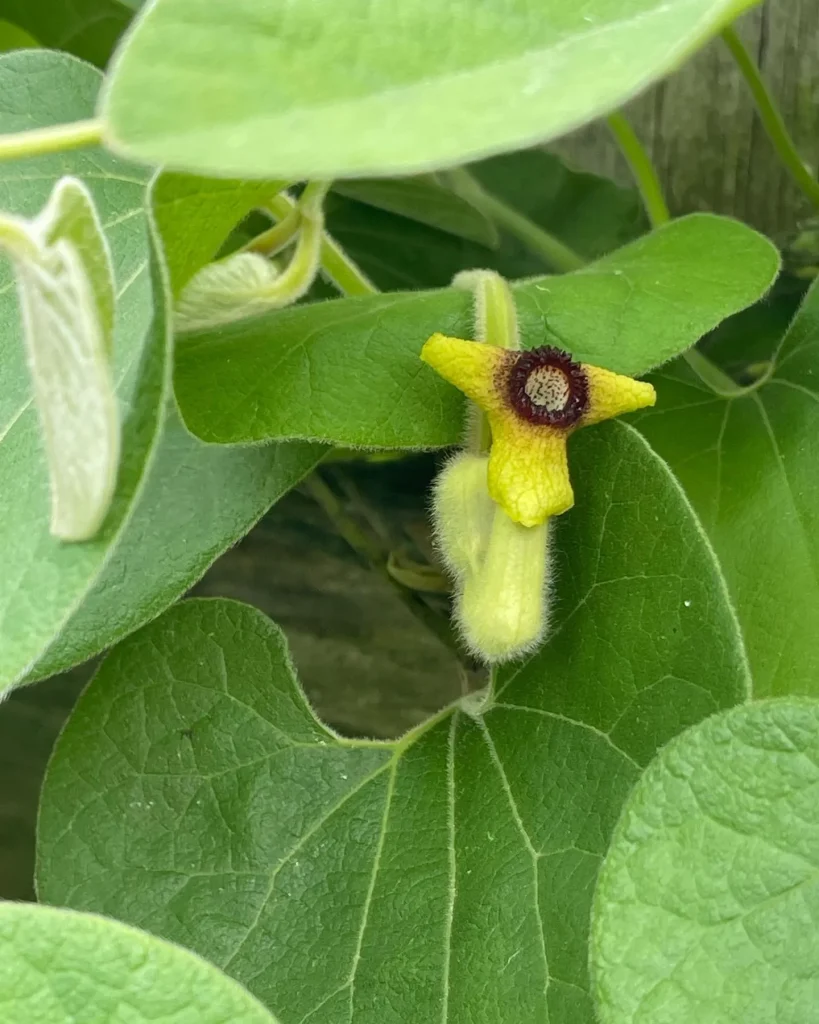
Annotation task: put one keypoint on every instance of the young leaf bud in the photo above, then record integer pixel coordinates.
(239, 286)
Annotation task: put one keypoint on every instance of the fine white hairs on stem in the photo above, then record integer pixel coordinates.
(495, 323)
(496, 320)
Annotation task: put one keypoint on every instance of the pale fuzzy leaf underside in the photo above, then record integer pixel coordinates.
(66, 290)
(357, 88)
(61, 966)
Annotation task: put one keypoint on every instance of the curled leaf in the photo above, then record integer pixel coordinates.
(65, 284)
(240, 286)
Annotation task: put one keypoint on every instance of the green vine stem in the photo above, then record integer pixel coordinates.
(54, 139)
(496, 323)
(300, 272)
(272, 241)
(336, 264)
(345, 274)
(723, 385)
(557, 255)
(771, 118)
(642, 168)
(711, 375)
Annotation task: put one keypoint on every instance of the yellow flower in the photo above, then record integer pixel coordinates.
(533, 400)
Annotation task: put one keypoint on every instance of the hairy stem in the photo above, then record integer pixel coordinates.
(335, 263)
(642, 168)
(557, 255)
(711, 375)
(771, 118)
(496, 323)
(345, 274)
(269, 242)
(54, 139)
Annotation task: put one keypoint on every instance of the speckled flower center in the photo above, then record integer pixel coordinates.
(548, 387)
(545, 386)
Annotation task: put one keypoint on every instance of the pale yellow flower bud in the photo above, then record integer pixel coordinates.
(462, 513)
(502, 608)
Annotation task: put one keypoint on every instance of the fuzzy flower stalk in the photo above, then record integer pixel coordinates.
(493, 503)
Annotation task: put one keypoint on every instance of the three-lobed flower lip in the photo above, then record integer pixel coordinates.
(533, 399)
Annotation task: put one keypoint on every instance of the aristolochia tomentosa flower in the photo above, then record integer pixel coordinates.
(533, 400)
(491, 512)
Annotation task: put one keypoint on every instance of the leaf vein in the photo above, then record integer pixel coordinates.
(294, 849)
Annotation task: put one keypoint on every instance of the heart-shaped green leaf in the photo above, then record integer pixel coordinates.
(194, 793)
(358, 88)
(43, 580)
(750, 465)
(349, 371)
(60, 966)
(707, 902)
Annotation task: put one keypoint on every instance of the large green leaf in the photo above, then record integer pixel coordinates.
(708, 899)
(357, 88)
(87, 28)
(194, 793)
(348, 371)
(60, 966)
(750, 465)
(199, 499)
(43, 580)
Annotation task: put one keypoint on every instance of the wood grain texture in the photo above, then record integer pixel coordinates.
(701, 128)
